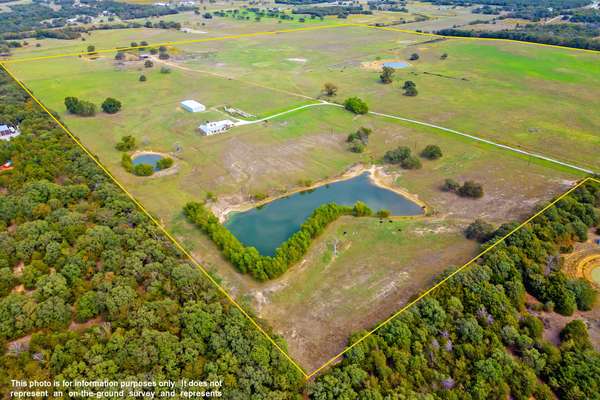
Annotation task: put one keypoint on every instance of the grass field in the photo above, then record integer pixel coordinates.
(325, 298)
(528, 96)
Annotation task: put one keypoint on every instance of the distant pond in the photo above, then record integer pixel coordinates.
(147, 158)
(396, 64)
(268, 226)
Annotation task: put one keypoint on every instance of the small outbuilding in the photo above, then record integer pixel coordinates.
(192, 106)
(216, 127)
(8, 132)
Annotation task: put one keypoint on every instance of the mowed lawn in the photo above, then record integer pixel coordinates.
(378, 267)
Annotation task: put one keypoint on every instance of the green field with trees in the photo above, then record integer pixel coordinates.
(91, 289)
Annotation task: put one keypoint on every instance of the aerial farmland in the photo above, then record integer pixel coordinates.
(326, 172)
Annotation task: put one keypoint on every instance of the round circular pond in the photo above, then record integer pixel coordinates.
(151, 159)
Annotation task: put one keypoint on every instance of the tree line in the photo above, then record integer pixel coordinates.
(248, 260)
(476, 337)
(558, 35)
(34, 16)
(74, 248)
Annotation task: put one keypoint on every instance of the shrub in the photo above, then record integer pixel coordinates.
(164, 163)
(143, 78)
(127, 163)
(362, 134)
(260, 196)
(330, 89)
(360, 209)
(111, 106)
(585, 295)
(396, 156)
(382, 214)
(450, 185)
(411, 91)
(356, 105)
(471, 189)
(80, 107)
(148, 64)
(165, 70)
(357, 146)
(411, 162)
(143, 170)
(479, 230)
(431, 152)
(576, 331)
(127, 143)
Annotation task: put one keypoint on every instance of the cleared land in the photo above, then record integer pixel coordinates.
(318, 303)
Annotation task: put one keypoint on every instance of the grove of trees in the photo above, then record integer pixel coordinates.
(474, 337)
(80, 107)
(84, 252)
(402, 156)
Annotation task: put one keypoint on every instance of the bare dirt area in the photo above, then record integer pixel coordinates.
(554, 322)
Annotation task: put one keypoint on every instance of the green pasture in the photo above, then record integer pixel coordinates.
(539, 98)
(262, 75)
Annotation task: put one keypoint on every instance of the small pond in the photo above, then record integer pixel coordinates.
(396, 64)
(147, 158)
(268, 226)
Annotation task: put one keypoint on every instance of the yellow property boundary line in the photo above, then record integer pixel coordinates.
(204, 271)
(276, 32)
(155, 221)
(467, 264)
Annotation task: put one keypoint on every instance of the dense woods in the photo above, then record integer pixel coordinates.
(75, 249)
(568, 35)
(248, 259)
(34, 16)
(474, 338)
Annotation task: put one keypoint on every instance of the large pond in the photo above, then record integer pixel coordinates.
(268, 226)
(147, 158)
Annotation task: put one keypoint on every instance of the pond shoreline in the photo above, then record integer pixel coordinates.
(173, 169)
(376, 175)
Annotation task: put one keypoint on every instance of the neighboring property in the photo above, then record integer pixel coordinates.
(8, 132)
(192, 106)
(213, 128)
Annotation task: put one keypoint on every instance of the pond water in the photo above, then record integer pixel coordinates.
(268, 226)
(396, 64)
(149, 158)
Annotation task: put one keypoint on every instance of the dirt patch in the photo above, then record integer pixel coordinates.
(76, 326)
(377, 65)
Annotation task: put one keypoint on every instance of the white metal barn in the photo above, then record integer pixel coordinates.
(192, 106)
(213, 128)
